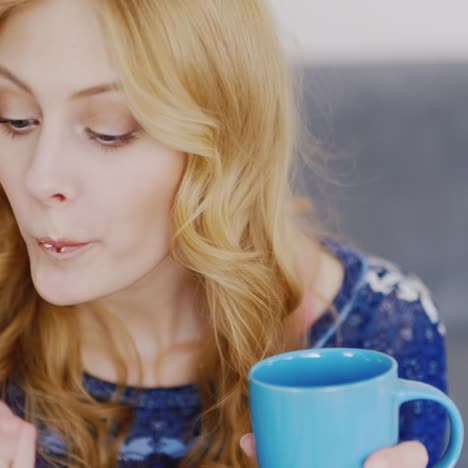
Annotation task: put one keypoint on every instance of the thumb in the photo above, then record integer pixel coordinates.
(410, 454)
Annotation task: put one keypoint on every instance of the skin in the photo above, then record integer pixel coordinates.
(62, 184)
(17, 439)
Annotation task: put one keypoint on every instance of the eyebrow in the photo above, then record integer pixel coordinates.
(92, 91)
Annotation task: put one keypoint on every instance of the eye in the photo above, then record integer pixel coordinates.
(111, 142)
(14, 128)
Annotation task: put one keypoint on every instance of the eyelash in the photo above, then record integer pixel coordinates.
(121, 140)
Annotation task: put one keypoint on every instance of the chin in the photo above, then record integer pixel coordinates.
(60, 295)
(60, 298)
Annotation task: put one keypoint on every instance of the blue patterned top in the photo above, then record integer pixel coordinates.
(380, 307)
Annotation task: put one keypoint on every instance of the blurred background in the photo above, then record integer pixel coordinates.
(386, 93)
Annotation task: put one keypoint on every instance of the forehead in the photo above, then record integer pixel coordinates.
(57, 47)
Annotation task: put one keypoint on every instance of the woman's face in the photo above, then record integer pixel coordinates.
(63, 178)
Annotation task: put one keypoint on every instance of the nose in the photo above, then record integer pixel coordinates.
(48, 177)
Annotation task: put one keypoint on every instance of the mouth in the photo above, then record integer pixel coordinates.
(61, 248)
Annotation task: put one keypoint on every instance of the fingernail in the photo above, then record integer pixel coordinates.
(243, 438)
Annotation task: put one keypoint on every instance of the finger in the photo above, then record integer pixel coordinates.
(9, 431)
(26, 447)
(411, 454)
(247, 444)
(5, 409)
(17, 440)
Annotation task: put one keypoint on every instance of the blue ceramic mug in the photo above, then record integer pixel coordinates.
(333, 407)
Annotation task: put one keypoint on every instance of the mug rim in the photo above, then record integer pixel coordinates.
(311, 351)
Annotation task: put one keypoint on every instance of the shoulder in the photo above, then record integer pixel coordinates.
(379, 305)
(402, 295)
(394, 312)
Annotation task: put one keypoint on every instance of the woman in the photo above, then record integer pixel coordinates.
(152, 249)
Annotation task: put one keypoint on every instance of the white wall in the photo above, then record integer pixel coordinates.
(374, 30)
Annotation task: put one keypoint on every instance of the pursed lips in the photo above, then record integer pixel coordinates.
(47, 241)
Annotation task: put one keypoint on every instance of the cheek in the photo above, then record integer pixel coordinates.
(12, 184)
(17, 201)
(7, 179)
(141, 210)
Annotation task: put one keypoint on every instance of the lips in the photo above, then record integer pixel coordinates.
(63, 249)
(57, 244)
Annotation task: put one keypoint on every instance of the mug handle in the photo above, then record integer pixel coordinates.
(411, 390)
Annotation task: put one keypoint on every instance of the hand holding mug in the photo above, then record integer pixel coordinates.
(338, 407)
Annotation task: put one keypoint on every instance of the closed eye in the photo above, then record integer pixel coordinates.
(116, 141)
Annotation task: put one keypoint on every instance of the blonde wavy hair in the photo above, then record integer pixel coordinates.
(210, 78)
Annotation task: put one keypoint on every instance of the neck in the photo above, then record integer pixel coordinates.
(159, 315)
